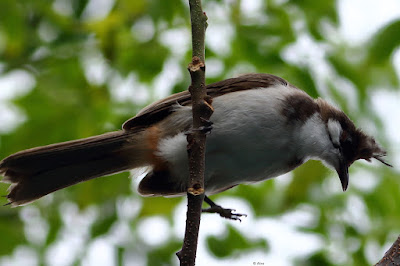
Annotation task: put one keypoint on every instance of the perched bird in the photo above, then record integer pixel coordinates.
(262, 127)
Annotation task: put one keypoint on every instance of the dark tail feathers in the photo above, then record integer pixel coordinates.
(39, 171)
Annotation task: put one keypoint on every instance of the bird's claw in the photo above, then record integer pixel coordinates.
(206, 129)
(225, 213)
(208, 126)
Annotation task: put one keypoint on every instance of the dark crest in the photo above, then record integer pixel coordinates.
(355, 144)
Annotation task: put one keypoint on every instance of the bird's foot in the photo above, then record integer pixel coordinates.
(225, 213)
(206, 128)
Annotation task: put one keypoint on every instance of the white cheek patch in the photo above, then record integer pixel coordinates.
(335, 131)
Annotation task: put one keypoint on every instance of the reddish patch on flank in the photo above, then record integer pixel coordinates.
(153, 135)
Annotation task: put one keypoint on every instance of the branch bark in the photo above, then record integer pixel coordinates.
(392, 256)
(202, 111)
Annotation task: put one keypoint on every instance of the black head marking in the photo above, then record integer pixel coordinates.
(298, 106)
(354, 143)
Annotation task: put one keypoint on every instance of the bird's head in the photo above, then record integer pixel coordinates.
(348, 143)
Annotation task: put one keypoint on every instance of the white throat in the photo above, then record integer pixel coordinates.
(313, 138)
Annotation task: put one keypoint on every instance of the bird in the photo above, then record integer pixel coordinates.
(262, 127)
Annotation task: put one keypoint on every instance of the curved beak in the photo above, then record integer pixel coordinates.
(343, 172)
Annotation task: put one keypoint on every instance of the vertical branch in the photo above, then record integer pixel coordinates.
(202, 111)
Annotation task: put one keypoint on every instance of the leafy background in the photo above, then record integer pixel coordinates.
(73, 68)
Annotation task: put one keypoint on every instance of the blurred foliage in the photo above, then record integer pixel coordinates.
(233, 243)
(83, 55)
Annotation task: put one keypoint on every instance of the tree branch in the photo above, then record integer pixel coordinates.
(202, 111)
(392, 256)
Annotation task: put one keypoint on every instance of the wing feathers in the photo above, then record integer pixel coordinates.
(159, 110)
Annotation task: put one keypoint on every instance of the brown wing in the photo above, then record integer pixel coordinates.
(159, 110)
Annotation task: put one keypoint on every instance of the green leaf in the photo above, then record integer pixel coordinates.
(102, 225)
(384, 42)
(11, 231)
(233, 243)
(304, 177)
(165, 254)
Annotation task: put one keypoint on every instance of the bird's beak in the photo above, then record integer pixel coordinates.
(343, 172)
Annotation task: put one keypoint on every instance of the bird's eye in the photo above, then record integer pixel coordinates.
(347, 144)
(348, 141)
(336, 145)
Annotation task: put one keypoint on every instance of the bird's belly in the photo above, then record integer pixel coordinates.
(230, 160)
(230, 164)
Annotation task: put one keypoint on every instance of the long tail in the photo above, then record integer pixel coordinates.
(39, 171)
